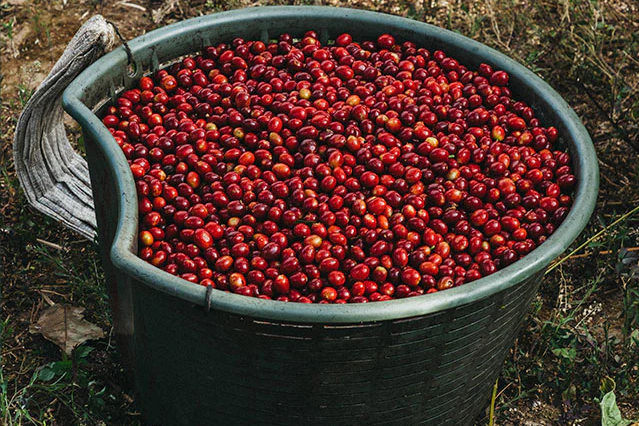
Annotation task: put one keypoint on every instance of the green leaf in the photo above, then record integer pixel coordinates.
(61, 367)
(610, 413)
(570, 393)
(567, 353)
(82, 351)
(46, 374)
(634, 337)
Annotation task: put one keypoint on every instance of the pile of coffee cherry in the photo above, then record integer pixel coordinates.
(350, 172)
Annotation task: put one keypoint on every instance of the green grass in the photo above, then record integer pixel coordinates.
(41, 26)
(46, 384)
(572, 344)
(8, 27)
(54, 383)
(39, 384)
(24, 94)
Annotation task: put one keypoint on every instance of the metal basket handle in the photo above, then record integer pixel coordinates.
(54, 177)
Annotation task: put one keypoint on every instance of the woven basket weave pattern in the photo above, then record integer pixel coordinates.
(435, 368)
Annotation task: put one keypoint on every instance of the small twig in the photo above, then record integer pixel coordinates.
(630, 57)
(608, 180)
(50, 244)
(614, 203)
(110, 338)
(44, 290)
(591, 239)
(512, 30)
(565, 15)
(605, 252)
(46, 298)
(12, 350)
(132, 5)
(494, 24)
(503, 390)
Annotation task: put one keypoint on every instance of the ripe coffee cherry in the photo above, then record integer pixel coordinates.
(360, 170)
(385, 41)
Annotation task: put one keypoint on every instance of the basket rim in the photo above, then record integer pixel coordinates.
(123, 249)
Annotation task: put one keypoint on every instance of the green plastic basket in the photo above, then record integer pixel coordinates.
(199, 357)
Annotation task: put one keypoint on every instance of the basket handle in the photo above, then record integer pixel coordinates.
(54, 177)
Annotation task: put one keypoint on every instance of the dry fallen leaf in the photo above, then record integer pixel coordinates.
(65, 326)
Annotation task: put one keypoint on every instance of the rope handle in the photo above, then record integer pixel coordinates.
(54, 177)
